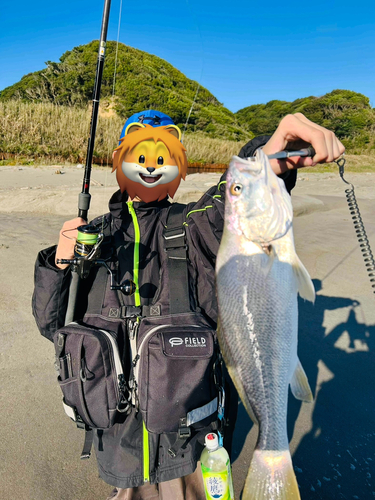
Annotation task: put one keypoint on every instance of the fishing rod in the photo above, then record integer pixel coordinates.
(84, 196)
(88, 239)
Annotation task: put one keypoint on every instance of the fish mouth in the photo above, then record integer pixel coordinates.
(150, 179)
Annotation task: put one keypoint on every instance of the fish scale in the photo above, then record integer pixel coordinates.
(258, 276)
(265, 301)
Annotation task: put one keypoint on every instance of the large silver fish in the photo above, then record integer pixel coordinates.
(258, 276)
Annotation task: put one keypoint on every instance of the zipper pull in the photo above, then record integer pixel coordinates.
(135, 394)
(133, 326)
(124, 405)
(135, 360)
(122, 383)
(82, 372)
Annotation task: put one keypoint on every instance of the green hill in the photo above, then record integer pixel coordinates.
(346, 113)
(143, 81)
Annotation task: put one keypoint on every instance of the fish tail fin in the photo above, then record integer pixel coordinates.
(305, 285)
(271, 475)
(299, 384)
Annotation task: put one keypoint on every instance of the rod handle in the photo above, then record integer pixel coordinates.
(83, 205)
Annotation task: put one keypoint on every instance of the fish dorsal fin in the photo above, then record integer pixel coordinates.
(304, 284)
(299, 384)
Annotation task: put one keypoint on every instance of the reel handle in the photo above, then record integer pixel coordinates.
(128, 287)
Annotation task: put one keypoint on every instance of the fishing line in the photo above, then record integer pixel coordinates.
(67, 230)
(118, 36)
(191, 109)
(109, 149)
(201, 73)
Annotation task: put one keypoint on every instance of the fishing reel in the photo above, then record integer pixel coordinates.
(86, 250)
(87, 253)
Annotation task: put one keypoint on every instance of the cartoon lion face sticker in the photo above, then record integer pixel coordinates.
(150, 161)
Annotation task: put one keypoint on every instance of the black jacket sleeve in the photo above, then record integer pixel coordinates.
(50, 295)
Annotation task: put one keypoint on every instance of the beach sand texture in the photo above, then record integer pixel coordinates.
(332, 440)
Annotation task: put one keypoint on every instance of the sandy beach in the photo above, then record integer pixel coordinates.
(332, 440)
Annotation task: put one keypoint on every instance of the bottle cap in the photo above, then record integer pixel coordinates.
(211, 441)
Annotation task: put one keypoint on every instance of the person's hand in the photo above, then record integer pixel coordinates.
(67, 240)
(296, 132)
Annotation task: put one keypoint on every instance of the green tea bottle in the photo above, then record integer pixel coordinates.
(216, 470)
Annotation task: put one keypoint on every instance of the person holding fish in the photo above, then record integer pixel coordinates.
(142, 463)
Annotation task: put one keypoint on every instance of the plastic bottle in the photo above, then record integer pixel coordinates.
(216, 470)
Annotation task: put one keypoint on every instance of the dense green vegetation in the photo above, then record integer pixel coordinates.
(143, 81)
(347, 113)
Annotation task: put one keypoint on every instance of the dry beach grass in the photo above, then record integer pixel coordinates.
(47, 133)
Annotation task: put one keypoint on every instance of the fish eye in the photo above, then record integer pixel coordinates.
(236, 189)
(160, 160)
(141, 159)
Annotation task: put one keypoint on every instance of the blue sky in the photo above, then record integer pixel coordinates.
(243, 53)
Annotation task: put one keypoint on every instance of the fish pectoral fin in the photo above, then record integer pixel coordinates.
(271, 476)
(299, 385)
(305, 285)
(269, 251)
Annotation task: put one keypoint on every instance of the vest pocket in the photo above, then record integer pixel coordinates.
(175, 375)
(90, 375)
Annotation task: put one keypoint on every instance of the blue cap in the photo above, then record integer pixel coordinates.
(148, 117)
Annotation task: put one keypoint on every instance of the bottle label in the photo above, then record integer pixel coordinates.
(216, 484)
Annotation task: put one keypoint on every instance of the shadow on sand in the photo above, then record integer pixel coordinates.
(336, 459)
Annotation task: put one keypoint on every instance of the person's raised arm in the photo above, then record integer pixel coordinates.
(296, 132)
